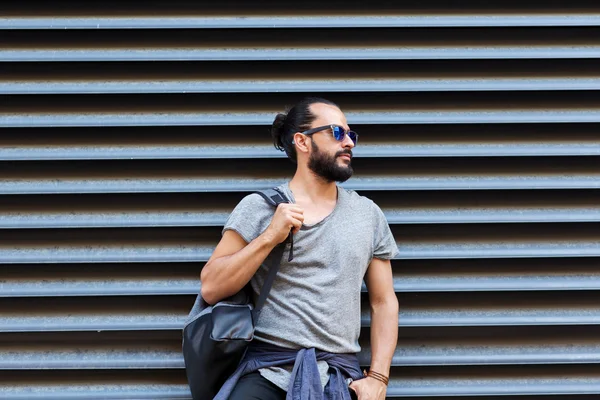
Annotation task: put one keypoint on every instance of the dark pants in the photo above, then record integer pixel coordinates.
(254, 387)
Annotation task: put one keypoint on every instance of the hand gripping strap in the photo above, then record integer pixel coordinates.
(274, 197)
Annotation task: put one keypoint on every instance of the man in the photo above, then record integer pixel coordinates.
(339, 239)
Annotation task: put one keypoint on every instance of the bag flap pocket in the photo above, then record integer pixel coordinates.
(232, 322)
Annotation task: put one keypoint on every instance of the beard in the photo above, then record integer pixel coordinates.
(326, 166)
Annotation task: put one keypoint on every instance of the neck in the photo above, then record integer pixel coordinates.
(306, 184)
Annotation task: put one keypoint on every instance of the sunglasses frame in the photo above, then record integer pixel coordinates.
(332, 126)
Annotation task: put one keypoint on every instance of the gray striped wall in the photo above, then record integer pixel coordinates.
(128, 133)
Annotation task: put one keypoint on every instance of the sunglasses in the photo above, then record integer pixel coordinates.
(338, 132)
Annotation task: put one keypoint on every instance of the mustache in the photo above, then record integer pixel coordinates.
(339, 153)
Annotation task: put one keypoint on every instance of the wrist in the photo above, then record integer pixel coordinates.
(381, 378)
(373, 381)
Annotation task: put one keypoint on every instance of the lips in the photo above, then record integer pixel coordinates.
(347, 156)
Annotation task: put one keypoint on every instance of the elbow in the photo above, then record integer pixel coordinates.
(207, 290)
(212, 294)
(207, 294)
(211, 289)
(214, 287)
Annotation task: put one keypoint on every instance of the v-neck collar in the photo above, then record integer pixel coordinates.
(305, 227)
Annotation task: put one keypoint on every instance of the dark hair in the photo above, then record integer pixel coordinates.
(296, 119)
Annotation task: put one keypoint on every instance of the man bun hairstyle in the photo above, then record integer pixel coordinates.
(296, 119)
(277, 131)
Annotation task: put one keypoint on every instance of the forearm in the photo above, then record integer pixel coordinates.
(384, 334)
(224, 276)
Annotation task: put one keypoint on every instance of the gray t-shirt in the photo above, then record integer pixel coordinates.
(315, 300)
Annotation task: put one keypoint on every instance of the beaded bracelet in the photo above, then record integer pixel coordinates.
(376, 375)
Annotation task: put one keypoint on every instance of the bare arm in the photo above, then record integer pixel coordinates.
(384, 315)
(234, 262)
(384, 328)
(232, 265)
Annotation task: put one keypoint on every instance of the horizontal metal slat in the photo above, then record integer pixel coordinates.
(315, 53)
(90, 322)
(90, 314)
(417, 311)
(131, 218)
(493, 381)
(23, 356)
(138, 184)
(202, 118)
(124, 219)
(294, 86)
(254, 142)
(544, 274)
(113, 286)
(403, 383)
(365, 150)
(496, 241)
(380, 174)
(293, 77)
(128, 320)
(316, 44)
(115, 357)
(416, 355)
(181, 209)
(72, 280)
(108, 246)
(526, 345)
(501, 355)
(259, 109)
(415, 242)
(269, 14)
(127, 384)
(508, 249)
(500, 275)
(105, 253)
(469, 383)
(495, 215)
(56, 253)
(301, 21)
(86, 391)
(493, 309)
(523, 351)
(22, 212)
(106, 287)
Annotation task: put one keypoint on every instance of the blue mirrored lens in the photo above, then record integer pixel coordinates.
(339, 133)
(352, 136)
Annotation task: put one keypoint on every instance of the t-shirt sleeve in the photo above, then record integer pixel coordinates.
(384, 246)
(250, 217)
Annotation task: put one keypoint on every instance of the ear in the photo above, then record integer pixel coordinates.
(301, 142)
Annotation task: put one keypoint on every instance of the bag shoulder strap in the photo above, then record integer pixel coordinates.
(274, 197)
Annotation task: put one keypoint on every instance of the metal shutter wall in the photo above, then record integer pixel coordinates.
(129, 132)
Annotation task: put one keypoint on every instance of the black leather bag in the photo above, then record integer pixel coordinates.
(215, 337)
